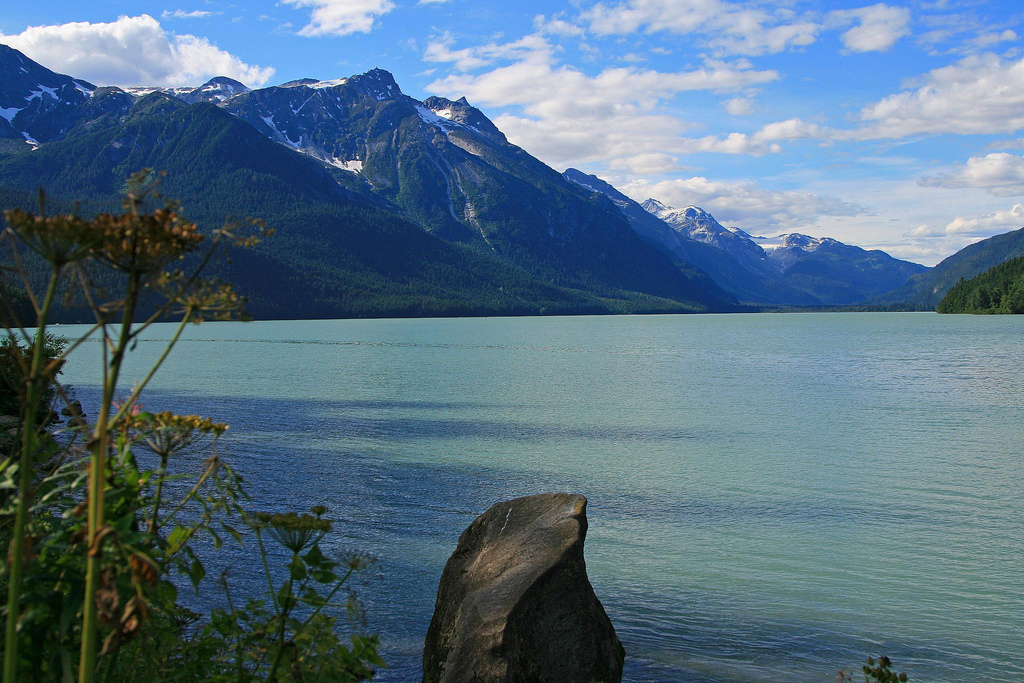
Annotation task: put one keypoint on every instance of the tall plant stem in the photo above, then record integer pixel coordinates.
(97, 471)
(162, 472)
(285, 609)
(33, 394)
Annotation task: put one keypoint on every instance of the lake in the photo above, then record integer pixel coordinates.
(772, 496)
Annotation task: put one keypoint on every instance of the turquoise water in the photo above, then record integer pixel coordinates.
(772, 496)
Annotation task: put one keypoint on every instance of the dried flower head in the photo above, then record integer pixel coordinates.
(166, 433)
(59, 239)
(294, 531)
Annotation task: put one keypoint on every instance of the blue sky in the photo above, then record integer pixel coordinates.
(893, 125)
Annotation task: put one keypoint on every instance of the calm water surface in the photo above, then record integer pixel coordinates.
(772, 496)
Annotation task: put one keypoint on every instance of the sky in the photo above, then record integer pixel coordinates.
(893, 125)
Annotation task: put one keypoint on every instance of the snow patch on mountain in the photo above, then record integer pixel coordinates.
(793, 240)
(141, 90)
(278, 135)
(334, 82)
(429, 116)
(353, 165)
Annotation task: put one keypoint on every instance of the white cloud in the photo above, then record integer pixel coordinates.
(131, 51)
(978, 226)
(654, 163)
(532, 48)
(878, 27)
(569, 118)
(743, 204)
(1000, 173)
(795, 129)
(555, 26)
(993, 38)
(980, 94)
(182, 14)
(727, 27)
(341, 17)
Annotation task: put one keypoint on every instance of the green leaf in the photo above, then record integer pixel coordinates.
(196, 573)
(315, 558)
(177, 538)
(297, 568)
(231, 530)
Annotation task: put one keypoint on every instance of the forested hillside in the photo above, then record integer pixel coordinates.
(998, 290)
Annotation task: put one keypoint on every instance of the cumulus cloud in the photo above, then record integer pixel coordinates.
(877, 29)
(978, 226)
(569, 118)
(727, 27)
(341, 17)
(981, 94)
(131, 51)
(739, 106)
(743, 204)
(654, 163)
(1000, 173)
(532, 48)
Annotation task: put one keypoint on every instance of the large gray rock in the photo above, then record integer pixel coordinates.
(515, 603)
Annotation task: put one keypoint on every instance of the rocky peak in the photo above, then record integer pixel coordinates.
(376, 83)
(298, 82)
(652, 205)
(217, 89)
(462, 112)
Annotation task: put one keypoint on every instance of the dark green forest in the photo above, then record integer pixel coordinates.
(999, 289)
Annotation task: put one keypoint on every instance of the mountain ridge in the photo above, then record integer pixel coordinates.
(507, 218)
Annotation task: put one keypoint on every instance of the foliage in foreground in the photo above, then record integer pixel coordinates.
(106, 517)
(999, 289)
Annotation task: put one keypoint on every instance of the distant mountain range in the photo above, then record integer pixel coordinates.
(388, 205)
(793, 269)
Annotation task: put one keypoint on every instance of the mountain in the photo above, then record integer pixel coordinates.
(832, 272)
(926, 290)
(791, 270)
(384, 205)
(699, 225)
(215, 90)
(1000, 289)
(746, 284)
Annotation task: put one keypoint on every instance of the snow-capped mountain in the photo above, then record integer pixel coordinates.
(697, 224)
(746, 284)
(215, 90)
(789, 248)
(358, 146)
(833, 272)
(34, 101)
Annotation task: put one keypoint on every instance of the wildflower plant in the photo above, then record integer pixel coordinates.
(98, 541)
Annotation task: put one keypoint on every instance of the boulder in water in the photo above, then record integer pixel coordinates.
(515, 603)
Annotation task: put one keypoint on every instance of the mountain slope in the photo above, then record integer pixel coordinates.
(431, 193)
(925, 291)
(38, 105)
(700, 226)
(1000, 289)
(837, 273)
(453, 172)
(831, 272)
(339, 251)
(723, 269)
